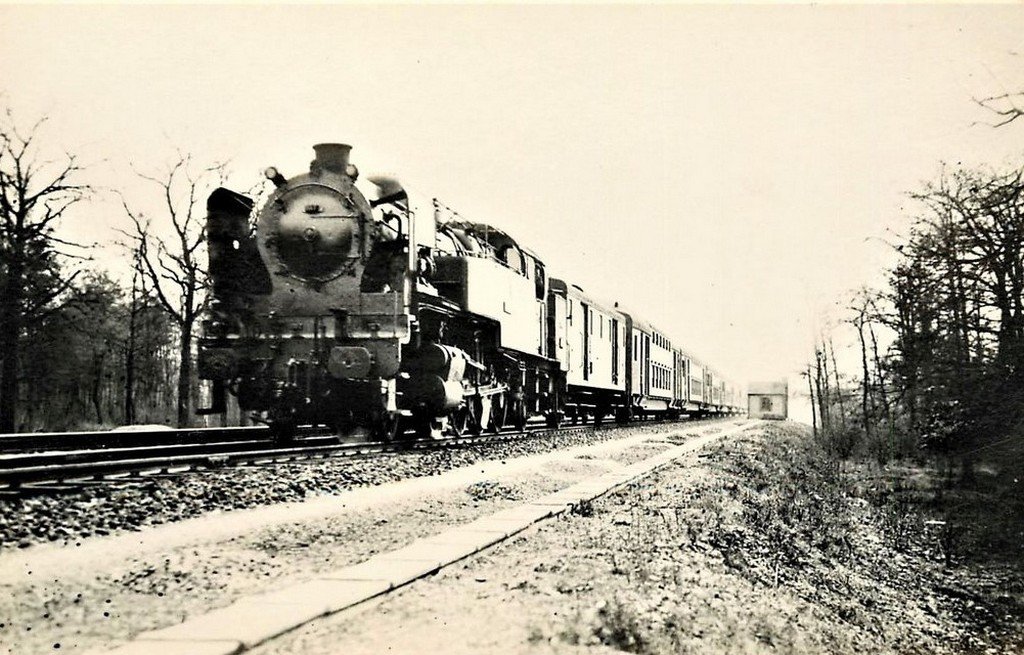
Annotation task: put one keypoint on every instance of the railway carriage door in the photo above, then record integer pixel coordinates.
(561, 315)
(646, 363)
(586, 340)
(677, 365)
(615, 351)
(540, 291)
(686, 380)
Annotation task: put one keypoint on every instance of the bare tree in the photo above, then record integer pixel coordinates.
(169, 255)
(814, 409)
(821, 383)
(35, 193)
(135, 306)
(1007, 107)
(839, 384)
(862, 302)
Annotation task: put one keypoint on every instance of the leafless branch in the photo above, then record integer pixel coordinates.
(1005, 106)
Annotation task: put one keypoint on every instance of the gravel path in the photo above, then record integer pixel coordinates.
(107, 589)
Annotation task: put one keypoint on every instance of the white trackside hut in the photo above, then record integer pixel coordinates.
(768, 400)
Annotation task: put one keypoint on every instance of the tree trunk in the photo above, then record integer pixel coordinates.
(866, 378)
(826, 399)
(10, 340)
(821, 381)
(883, 394)
(967, 477)
(94, 392)
(129, 356)
(839, 385)
(814, 410)
(185, 375)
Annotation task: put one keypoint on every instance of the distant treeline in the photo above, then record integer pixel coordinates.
(942, 344)
(101, 359)
(82, 347)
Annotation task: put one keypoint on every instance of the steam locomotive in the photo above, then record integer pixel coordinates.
(356, 304)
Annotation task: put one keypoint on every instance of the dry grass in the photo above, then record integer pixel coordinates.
(768, 547)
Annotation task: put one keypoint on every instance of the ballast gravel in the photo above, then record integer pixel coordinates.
(109, 507)
(86, 604)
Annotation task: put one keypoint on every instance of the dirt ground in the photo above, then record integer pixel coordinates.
(750, 546)
(96, 593)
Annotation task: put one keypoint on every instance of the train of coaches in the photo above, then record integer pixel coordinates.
(351, 302)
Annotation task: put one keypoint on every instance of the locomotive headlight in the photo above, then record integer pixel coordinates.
(274, 176)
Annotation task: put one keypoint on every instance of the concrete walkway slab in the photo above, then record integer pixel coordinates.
(441, 553)
(559, 499)
(248, 623)
(146, 647)
(471, 540)
(395, 572)
(529, 512)
(326, 595)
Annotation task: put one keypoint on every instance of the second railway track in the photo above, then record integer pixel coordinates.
(62, 470)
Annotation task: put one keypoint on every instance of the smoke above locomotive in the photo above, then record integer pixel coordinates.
(386, 313)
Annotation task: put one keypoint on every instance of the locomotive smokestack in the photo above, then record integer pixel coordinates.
(331, 157)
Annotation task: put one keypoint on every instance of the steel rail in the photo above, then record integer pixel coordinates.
(146, 436)
(82, 466)
(65, 457)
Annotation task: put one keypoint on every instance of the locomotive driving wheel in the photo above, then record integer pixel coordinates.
(517, 413)
(553, 419)
(282, 429)
(427, 426)
(282, 423)
(499, 412)
(466, 419)
(385, 426)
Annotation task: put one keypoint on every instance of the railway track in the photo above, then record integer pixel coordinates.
(135, 436)
(118, 458)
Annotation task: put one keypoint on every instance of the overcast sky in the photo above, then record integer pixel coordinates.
(722, 170)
